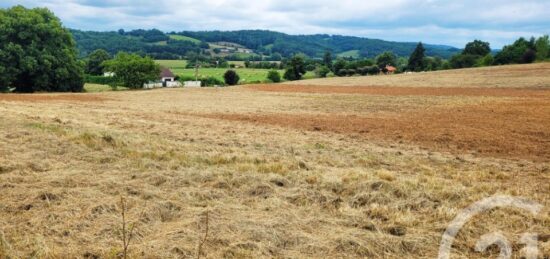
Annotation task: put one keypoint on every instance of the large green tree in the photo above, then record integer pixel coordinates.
(416, 60)
(386, 59)
(327, 59)
(543, 47)
(37, 53)
(477, 48)
(94, 64)
(475, 53)
(132, 70)
(520, 52)
(296, 68)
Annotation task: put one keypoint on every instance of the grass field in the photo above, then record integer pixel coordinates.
(172, 64)
(184, 38)
(246, 75)
(351, 53)
(363, 167)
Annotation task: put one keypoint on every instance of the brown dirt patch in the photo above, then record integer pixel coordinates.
(52, 97)
(515, 129)
(403, 91)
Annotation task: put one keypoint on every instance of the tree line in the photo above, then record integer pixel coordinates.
(475, 54)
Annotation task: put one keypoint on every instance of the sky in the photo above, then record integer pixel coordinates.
(447, 22)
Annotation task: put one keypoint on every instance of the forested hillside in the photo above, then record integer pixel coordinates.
(315, 45)
(267, 43)
(153, 43)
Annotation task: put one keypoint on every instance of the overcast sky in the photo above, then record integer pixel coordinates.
(447, 22)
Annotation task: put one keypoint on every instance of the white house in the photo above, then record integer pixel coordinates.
(167, 79)
(166, 75)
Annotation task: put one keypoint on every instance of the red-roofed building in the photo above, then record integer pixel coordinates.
(390, 69)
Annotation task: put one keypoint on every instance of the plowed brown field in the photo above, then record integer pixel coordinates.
(512, 129)
(51, 97)
(404, 91)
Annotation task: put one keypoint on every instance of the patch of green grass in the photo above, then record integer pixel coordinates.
(160, 43)
(349, 53)
(172, 64)
(246, 75)
(97, 88)
(184, 38)
(238, 63)
(308, 75)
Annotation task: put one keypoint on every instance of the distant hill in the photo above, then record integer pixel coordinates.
(315, 45)
(261, 42)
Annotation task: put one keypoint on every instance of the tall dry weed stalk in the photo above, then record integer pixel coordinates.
(127, 231)
(203, 240)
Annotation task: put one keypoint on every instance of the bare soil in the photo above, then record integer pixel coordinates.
(517, 129)
(404, 91)
(52, 97)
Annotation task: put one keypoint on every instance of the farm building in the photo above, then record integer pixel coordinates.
(390, 70)
(166, 75)
(166, 79)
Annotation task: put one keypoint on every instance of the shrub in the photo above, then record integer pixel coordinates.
(210, 81)
(342, 72)
(529, 56)
(231, 77)
(322, 71)
(274, 76)
(373, 70)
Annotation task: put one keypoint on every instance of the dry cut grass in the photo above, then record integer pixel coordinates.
(242, 173)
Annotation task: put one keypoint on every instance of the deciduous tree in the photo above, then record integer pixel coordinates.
(386, 59)
(477, 48)
(543, 47)
(94, 64)
(296, 68)
(37, 53)
(132, 70)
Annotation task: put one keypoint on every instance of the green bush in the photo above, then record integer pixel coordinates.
(322, 71)
(231, 77)
(210, 81)
(274, 76)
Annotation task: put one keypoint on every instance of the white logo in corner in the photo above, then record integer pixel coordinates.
(497, 238)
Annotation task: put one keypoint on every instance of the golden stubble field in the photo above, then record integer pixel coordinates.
(372, 167)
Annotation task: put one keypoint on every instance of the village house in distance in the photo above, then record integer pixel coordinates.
(166, 79)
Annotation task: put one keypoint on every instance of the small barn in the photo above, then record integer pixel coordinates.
(166, 79)
(390, 70)
(166, 75)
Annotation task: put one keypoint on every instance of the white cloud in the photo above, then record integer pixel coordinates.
(432, 21)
